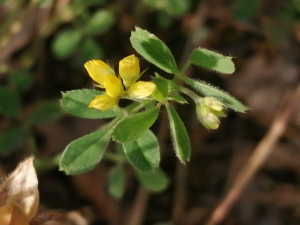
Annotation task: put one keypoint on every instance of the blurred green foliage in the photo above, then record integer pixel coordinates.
(78, 32)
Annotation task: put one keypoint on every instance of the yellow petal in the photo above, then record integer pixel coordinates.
(141, 89)
(129, 70)
(103, 102)
(98, 70)
(113, 86)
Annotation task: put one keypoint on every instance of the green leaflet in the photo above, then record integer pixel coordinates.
(10, 102)
(46, 112)
(100, 22)
(21, 80)
(89, 50)
(84, 153)
(132, 127)
(179, 135)
(11, 139)
(153, 50)
(77, 103)
(156, 181)
(212, 60)
(65, 43)
(208, 90)
(143, 154)
(116, 182)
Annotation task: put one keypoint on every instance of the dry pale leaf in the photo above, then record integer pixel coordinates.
(21, 187)
(12, 214)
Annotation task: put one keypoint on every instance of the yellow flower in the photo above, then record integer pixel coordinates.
(129, 70)
(103, 102)
(141, 89)
(98, 70)
(104, 75)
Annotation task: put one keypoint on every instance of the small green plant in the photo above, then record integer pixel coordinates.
(130, 127)
(21, 119)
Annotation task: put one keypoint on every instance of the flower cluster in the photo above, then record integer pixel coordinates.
(208, 111)
(125, 86)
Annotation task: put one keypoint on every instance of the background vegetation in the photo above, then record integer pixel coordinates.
(43, 46)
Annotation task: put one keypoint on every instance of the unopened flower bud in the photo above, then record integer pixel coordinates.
(207, 117)
(213, 103)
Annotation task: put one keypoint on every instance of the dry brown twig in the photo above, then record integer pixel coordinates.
(139, 207)
(257, 159)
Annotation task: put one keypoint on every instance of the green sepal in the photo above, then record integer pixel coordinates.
(143, 153)
(84, 153)
(10, 102)
(153, 50)
(132, 127)
(11, 139)
(77, 103)
(46, 112)
(212, 60)
(161, 91)
(116, 182)
(156, 181)
(210, 91)
(179, 135)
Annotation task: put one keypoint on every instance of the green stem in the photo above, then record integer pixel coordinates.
(180, 74)
(109, 125)
(191, 94)
(138, 108)
(185, 67)
(113, 157)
